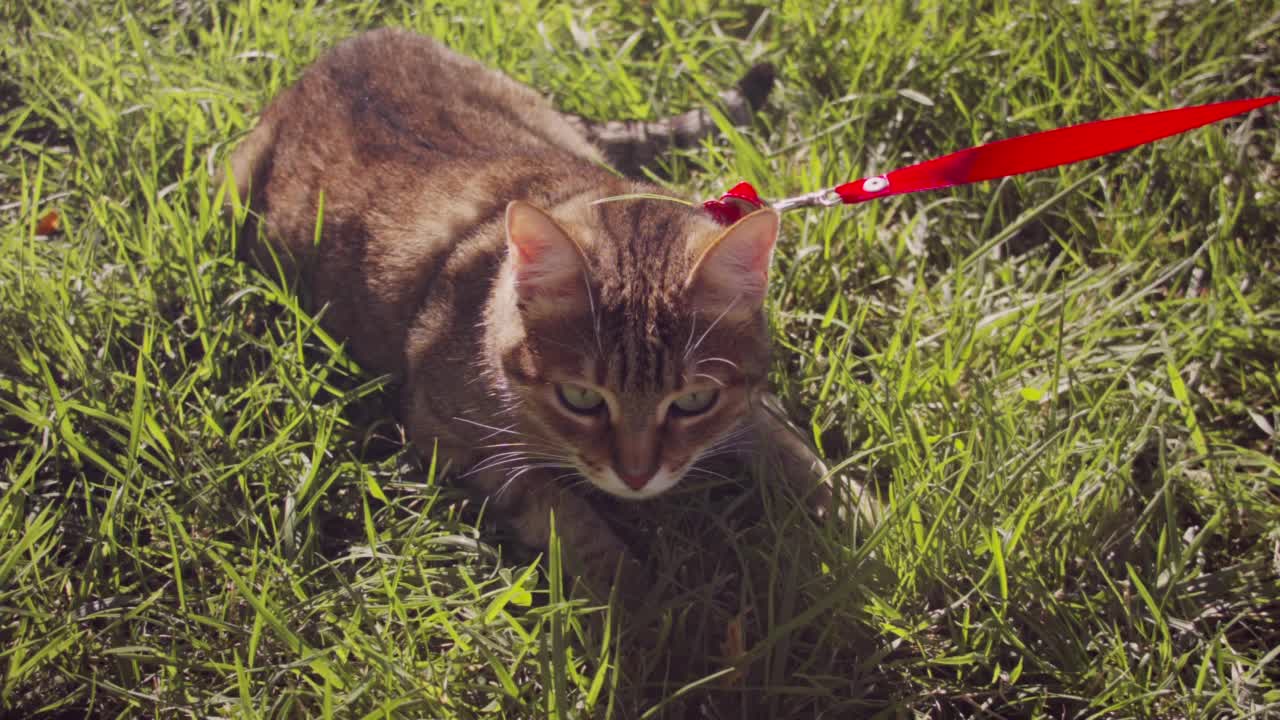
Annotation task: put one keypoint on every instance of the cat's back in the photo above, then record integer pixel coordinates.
(395, 83)
(405, 106)
(408, 153)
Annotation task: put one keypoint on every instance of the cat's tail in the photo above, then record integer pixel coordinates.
(631, 145)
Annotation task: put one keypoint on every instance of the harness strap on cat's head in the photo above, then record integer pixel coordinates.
(1012, 156)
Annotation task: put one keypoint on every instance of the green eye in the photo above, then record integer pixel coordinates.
(698, 401)
(579, 399)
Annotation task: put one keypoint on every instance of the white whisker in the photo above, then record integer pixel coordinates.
(491, 464)
(723, 452)
(562, 462)
(595, 317)
(511, 458)
(739, 433)
(704, 472)
(693, 328)
(580, 482)
(553, 463)
(726, 361)
(496, 430)
(711, 327)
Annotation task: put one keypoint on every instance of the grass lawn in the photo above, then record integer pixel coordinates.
(1065, 387)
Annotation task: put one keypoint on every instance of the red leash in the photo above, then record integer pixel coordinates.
(1012, 156)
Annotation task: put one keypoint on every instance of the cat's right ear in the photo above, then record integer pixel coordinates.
(549, 266)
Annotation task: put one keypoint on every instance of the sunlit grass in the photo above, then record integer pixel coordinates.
(1064, 387)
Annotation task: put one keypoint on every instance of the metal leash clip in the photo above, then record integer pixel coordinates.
(826, 197)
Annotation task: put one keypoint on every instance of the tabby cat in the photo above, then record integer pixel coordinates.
(473, 245)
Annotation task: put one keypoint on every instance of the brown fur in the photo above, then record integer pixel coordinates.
(481, 306)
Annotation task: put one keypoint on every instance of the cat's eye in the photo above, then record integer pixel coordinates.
(579, 399)
(696, 402)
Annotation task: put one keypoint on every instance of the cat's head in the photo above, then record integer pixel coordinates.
(631, 336)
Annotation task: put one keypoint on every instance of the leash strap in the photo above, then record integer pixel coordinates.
(1002, 158)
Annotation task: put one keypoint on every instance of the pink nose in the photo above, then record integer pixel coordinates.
(635, 482)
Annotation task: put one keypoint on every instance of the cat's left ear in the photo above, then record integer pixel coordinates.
(549, 266)
(731, 274)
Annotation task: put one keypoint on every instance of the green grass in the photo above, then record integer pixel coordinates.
(1065, 386)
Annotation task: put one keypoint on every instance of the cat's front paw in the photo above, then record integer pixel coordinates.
(808, 477)
(591, 553)
(610, 569)
(827, 495)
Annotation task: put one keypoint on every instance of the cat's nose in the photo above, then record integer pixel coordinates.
(637, 480)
